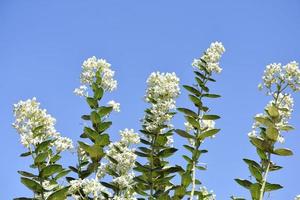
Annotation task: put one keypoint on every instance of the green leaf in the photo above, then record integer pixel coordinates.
(270, 187)
(183, 133)
(272, 133)
(273, 111)
(287, 128)
(104, 110)
(260, 143)
(210, 117)
(104, 125)
(43, 146)
(283, 152)
(98, 93)
(167, 152)
(25, 154)
(27, 174)
(32, 185)
(212, 95)
(50, 170)
(255, 172)
(192, 90)
(255, 191)
(208, 133)
(93, 103)
(96, 119)
(252, 163)
(188, 112)
(243, 182)
(41, 157)
(195, 100)
(193, 122)
(59, 194)
(265, 121)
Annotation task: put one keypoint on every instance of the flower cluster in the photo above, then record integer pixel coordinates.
(162, 91)
(275, 74)
(211, 58)
(282, 78)
(208, 195)
(125, 161)
(90, 68)
(90, 187)
(114, 105)
(35, 126)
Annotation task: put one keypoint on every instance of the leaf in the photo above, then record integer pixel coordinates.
(43, 146)
(211, 95)
(104, 110)
(41, 157)
(188, 112)
(27, 174)
(50, 170)
(193, 122)
(210, 117)
(104, 125)
(93, 103)
(243, 182)
(255, 172)
(255, 191)
(96, 119)
(287, 128)
(273, 111)
(252, 163)
(265, 121)
(260, 143)
(272, 133)
(59, 194)
(195, 100)
(31, 184)
(167, 152)
(184, 134)
(25, 154)
(192, 90)
(98, 93)
(283, 152)
(270, 187)
(208, 133)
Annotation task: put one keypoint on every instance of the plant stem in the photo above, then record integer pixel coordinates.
(262, 190)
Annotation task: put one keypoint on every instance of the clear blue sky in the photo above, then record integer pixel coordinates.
(43, 43)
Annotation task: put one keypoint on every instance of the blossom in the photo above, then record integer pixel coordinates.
(211, 57)
(161, 92)
(208, 195)
(90, 68)
(128, 136)
(90, 187)
(288, 75)
(35, 126)
(81, 91)
(114, 105)
(63, 143)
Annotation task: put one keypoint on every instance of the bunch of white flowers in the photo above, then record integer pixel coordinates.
(90, 187)
(35, 126)
(276, 74)
(162, 91)
(114, 105)
(211, 57)
(125, 161)
(90, 68)
(210, 194)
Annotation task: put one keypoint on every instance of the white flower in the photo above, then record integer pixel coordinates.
(205, 192)
(90, 187)
(212, 57)
(63, 143)
(114, 105)
(90, 68)
(81, 91)
(207, 124)
(161, 92)
(33, 123)
(275, 74)
(129, 137)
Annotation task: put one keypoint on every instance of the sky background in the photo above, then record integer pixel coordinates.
(43, 43)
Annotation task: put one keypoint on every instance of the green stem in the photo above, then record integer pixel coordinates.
(262, 190)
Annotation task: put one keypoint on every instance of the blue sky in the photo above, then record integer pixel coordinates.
(43, 43)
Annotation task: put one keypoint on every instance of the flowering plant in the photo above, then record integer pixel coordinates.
(138, 165)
